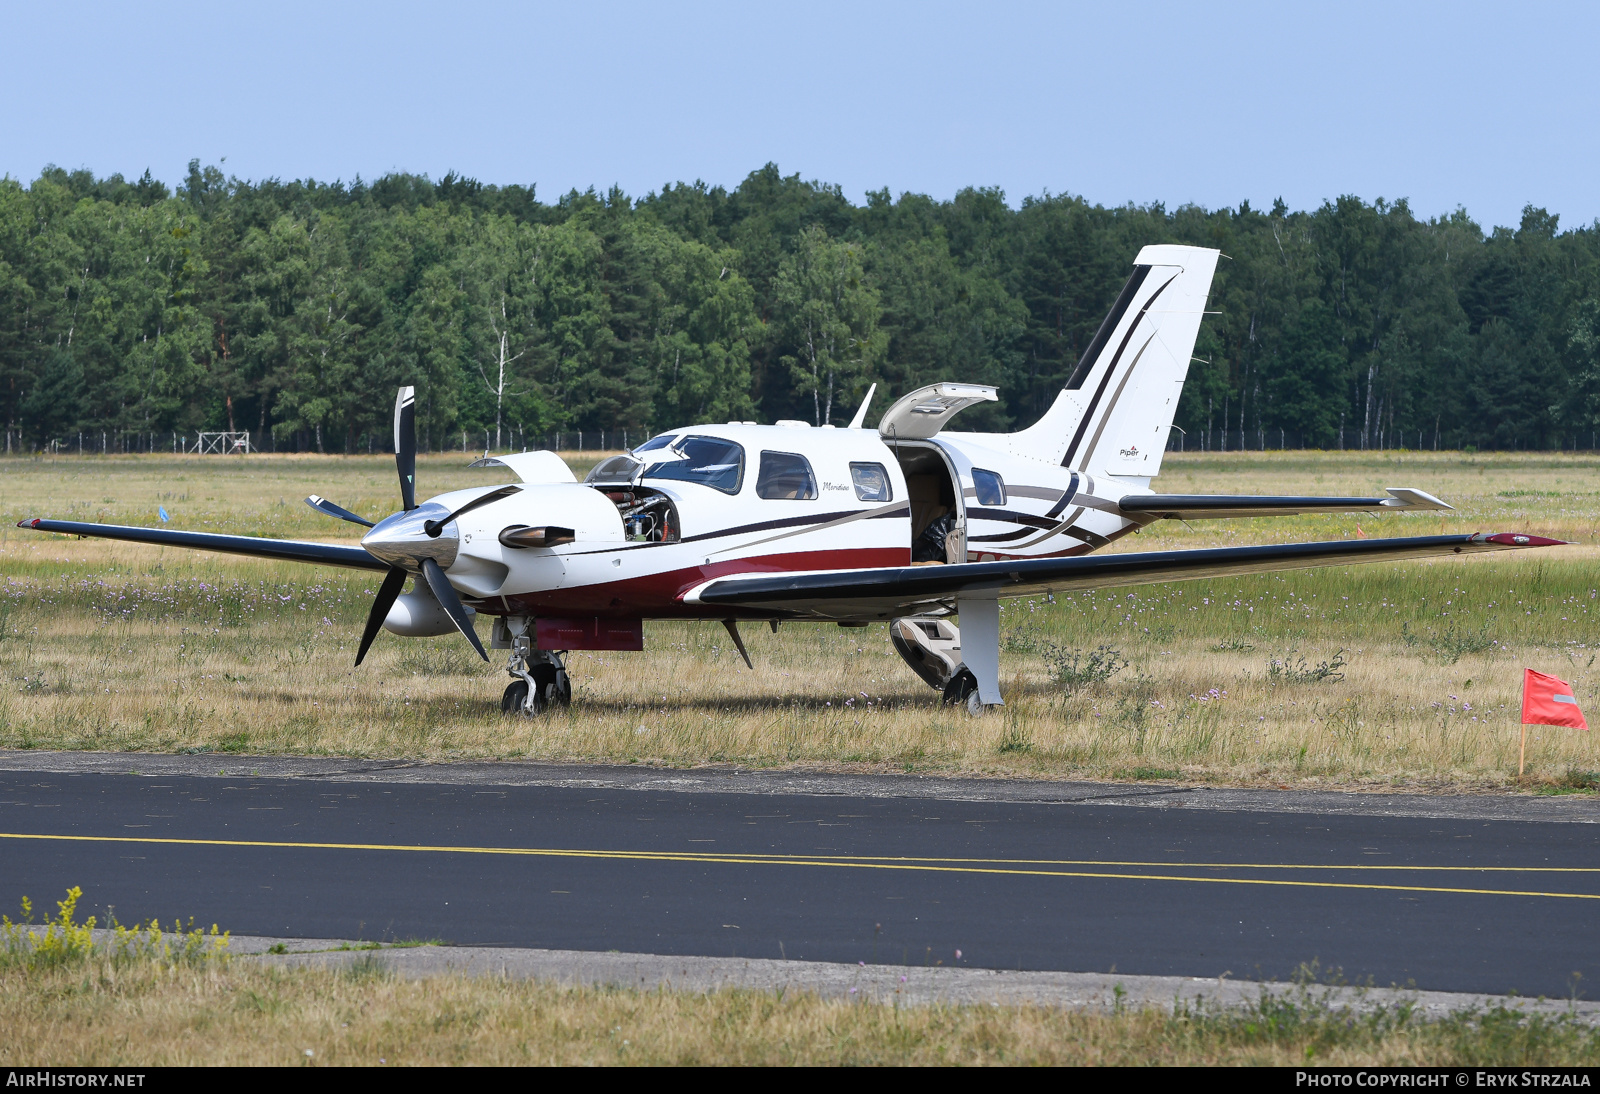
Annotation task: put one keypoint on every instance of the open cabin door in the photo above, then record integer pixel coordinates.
(938, 511)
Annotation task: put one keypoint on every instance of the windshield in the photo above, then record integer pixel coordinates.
(709, 461)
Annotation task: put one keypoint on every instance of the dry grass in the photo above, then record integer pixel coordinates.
(108, 1014)
(117, 646)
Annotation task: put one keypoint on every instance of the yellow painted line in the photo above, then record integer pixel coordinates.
(929, 866)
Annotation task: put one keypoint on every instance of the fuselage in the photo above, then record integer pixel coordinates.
(705, 502)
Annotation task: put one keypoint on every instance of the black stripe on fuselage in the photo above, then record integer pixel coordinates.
(1004, 537)
(1008, 516)
(764, 526)
(1066, 499)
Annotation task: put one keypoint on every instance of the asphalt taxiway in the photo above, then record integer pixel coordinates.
(1457, 894)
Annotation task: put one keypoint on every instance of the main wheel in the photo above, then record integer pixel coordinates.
(962, 686)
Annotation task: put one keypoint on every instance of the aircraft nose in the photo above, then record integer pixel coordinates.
(402, 540)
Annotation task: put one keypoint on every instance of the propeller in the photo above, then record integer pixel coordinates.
(405, 445)
(323, 505)
(392, 539)
(388, 592)
(450, 602)
(433, 527)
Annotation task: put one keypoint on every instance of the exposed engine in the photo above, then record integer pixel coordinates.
(648, 516)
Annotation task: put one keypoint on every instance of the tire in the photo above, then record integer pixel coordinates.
(544, 690)
(551, 687)
(961, 687)
(516, 695)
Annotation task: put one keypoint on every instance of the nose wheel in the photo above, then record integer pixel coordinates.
(550, 688)
(539, 679)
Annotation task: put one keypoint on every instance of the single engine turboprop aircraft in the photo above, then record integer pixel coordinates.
(909, 523)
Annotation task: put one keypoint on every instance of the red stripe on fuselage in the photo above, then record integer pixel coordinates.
(659, 595)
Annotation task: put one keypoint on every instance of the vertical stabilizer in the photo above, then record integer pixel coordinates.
(1114, 414)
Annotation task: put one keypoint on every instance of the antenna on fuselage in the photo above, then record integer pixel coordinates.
(861, 415)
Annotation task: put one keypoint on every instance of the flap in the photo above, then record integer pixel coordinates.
(921, 414)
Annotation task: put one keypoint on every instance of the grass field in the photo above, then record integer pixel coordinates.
(104, 1013)
(148, 996)
(1404, 675)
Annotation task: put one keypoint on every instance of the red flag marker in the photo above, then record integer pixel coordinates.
(1546, 701)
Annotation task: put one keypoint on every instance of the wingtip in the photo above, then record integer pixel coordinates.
(29, 522)
(1522, 539)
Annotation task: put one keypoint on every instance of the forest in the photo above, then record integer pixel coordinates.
(133, 315)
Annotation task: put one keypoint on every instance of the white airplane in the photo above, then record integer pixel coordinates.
(910, 522)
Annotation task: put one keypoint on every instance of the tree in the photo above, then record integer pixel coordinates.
(829, 315)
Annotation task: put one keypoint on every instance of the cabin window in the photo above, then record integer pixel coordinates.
(709, 461)
(871, 482)
(990, 488)
(785, 476)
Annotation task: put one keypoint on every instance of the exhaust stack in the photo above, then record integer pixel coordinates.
(520, 536)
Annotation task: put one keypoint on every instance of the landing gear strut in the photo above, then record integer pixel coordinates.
(538, 677)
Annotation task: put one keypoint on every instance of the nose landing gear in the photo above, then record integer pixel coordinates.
(539, 678)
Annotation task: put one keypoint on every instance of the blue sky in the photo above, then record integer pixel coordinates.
(1462, 104)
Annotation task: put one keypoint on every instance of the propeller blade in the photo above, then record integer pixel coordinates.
(393, 582)
(323, 505)
(445, 594)
(433, 527)
(405, 445)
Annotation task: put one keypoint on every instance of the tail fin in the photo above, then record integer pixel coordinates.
(1114, 415)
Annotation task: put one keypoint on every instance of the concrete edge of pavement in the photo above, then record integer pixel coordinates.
(1569, 809)
(909, 985)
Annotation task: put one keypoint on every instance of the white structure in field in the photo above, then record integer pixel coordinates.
(222, 444)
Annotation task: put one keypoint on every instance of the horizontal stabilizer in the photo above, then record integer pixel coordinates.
(1202, 506)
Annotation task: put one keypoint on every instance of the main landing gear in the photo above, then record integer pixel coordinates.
(538, 677)
(931, 645)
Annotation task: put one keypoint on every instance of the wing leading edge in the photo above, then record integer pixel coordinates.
(287, 550)
(896, 591)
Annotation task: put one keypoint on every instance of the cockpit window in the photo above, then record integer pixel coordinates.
(614, 471)
(659, 441)
(786, 476)
(709, 461)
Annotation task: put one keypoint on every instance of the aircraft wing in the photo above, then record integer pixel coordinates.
(1206, 506)
(288, 550)
(895, 591)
